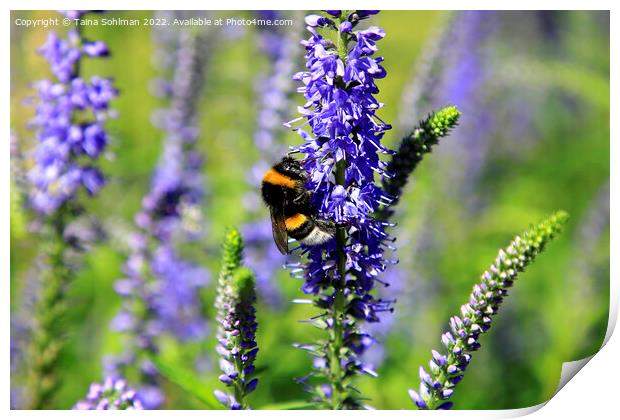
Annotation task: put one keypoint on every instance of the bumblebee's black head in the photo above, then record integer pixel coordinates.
(292, 168)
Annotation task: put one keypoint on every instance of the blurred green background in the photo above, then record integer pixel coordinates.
(558, 310)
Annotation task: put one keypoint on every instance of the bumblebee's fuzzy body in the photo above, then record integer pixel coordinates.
(309, 230)
(284, 192)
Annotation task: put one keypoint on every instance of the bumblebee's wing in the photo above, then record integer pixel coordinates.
(278, 227)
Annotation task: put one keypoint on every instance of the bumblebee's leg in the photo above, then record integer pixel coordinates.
(326, 225)
(303, 198)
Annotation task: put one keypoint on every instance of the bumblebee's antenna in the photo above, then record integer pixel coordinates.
(292, 152)
(302, 161)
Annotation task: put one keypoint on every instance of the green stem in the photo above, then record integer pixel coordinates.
(78, 28)
(46, 341)
(238, 383)
(338, 309)
(337, 378)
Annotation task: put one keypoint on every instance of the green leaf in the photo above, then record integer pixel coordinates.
(189, 382)
(289, 405)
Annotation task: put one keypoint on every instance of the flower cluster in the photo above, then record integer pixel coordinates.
(446, 370)
(342, 158)
(161, 287)
(340, 110)
(69, 119)
(113, 394)
(236, 334)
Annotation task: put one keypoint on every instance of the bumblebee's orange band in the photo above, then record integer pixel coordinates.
(295, 221)
(276, 178)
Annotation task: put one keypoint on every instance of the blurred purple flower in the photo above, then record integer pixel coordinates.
(595, 222)
(156, 273)
(396, 280)
(113, 394)
(171, 211)
(465, 73)
(589, 270)
(67, 149)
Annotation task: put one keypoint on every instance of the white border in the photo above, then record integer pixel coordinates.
(317, 4)
(592, 394)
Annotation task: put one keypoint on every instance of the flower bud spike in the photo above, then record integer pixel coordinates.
(475, 322)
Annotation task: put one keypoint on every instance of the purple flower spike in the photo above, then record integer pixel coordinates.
(342, 148)
(70, 138)
(447, 371)
(160, 288)
(236, 334)
(59, 171)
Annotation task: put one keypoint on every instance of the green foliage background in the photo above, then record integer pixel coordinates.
(557, 311)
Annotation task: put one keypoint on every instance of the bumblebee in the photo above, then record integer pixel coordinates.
(289, 202)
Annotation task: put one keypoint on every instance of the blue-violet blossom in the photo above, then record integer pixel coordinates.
(342, 158)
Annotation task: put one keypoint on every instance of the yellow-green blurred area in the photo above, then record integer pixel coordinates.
(450, 223)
